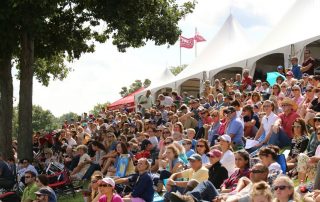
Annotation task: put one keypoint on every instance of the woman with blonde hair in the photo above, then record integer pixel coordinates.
(261, 192)
(284, 190)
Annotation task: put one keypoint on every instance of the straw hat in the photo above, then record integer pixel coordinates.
(288, 101)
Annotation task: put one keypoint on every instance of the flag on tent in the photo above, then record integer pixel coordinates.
(199, 38)
(186, 42)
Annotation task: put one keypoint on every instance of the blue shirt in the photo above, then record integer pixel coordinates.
(296, 70)
(143, 187)
(190, 152)
(236, 127)
(213, 131)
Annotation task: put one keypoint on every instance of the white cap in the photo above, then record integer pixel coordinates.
(109, 181)
(226, 138)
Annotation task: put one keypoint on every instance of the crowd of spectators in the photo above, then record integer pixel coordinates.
(239, 140)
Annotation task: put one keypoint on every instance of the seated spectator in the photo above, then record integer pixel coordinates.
(84, 163)
(268, 120)
(197, 172)
(191, 133)
(26, 166)
(251, 121)
(261, 192)
(106, 188)
(228, 159)
(235, 128)
(187, 144)
(202, 149)
(143, 184)
(44, 195)
(217, 172)
(31, 187)
(284, 190)
(268, 156)
(299, 142)
(43, 182)
(211, 131)
(171, 164)
(282, 129)
(243, 165)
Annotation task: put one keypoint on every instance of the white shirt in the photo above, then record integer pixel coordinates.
(72, 142)
(268, 121)
(229, 162)
(168, 101)
(148, 101)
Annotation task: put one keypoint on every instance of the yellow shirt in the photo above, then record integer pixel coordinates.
(200, 175)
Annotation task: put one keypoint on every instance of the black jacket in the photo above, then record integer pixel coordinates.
(217, 174)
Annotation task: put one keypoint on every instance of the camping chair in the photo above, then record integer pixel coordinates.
(281, 159)
(61, 183)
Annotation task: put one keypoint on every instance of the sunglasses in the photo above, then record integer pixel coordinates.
(266, 106)
(317, 119)
(200, 145)
(105, 185)
(186, 143)
(295, 90)
(166, 132)
(281, 187)
(309, 91)
(166, 143)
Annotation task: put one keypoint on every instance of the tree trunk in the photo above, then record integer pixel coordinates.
(6, 108)
(25, 97)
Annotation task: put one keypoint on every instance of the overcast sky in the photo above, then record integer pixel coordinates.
(99, 76)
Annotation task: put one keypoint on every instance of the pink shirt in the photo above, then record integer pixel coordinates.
(115, 198)
(287, 122)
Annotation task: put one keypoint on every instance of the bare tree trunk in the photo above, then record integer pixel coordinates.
(25, 98)
(6, 108)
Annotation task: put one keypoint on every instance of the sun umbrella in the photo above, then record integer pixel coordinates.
(272, 77)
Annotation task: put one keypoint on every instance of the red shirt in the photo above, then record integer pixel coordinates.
(246, 82)
(207, 120)
(287, 122)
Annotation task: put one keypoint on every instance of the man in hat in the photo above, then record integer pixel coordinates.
(44, 195)
(217, 172)
(235, 128)
(282, 128)
(197, 172)
(281, 70)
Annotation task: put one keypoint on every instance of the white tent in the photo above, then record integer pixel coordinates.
(224, 47)
(157, 80)
(297, 28)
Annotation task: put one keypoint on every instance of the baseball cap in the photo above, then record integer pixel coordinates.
(280, 67)
(305, 75)
(107, 180)
(45, 191)
(289, 73)
(230, 109)
(214, 153)
(226, 138)
(195, 157)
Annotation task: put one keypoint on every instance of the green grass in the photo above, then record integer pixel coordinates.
(77, 198)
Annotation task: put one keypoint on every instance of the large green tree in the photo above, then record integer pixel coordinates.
(42, 34)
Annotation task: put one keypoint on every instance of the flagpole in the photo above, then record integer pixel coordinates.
(195, 44)
(180, 55)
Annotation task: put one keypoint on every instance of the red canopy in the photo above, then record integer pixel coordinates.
(128, 101)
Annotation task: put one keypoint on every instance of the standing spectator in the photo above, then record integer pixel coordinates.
(296, 68)
(246, 83)
(309, 63)
(165, 100)
(6, 176)
(281, 70)
(146, 102)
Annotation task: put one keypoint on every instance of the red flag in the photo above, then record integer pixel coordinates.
(186, 43)
(199, 38)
